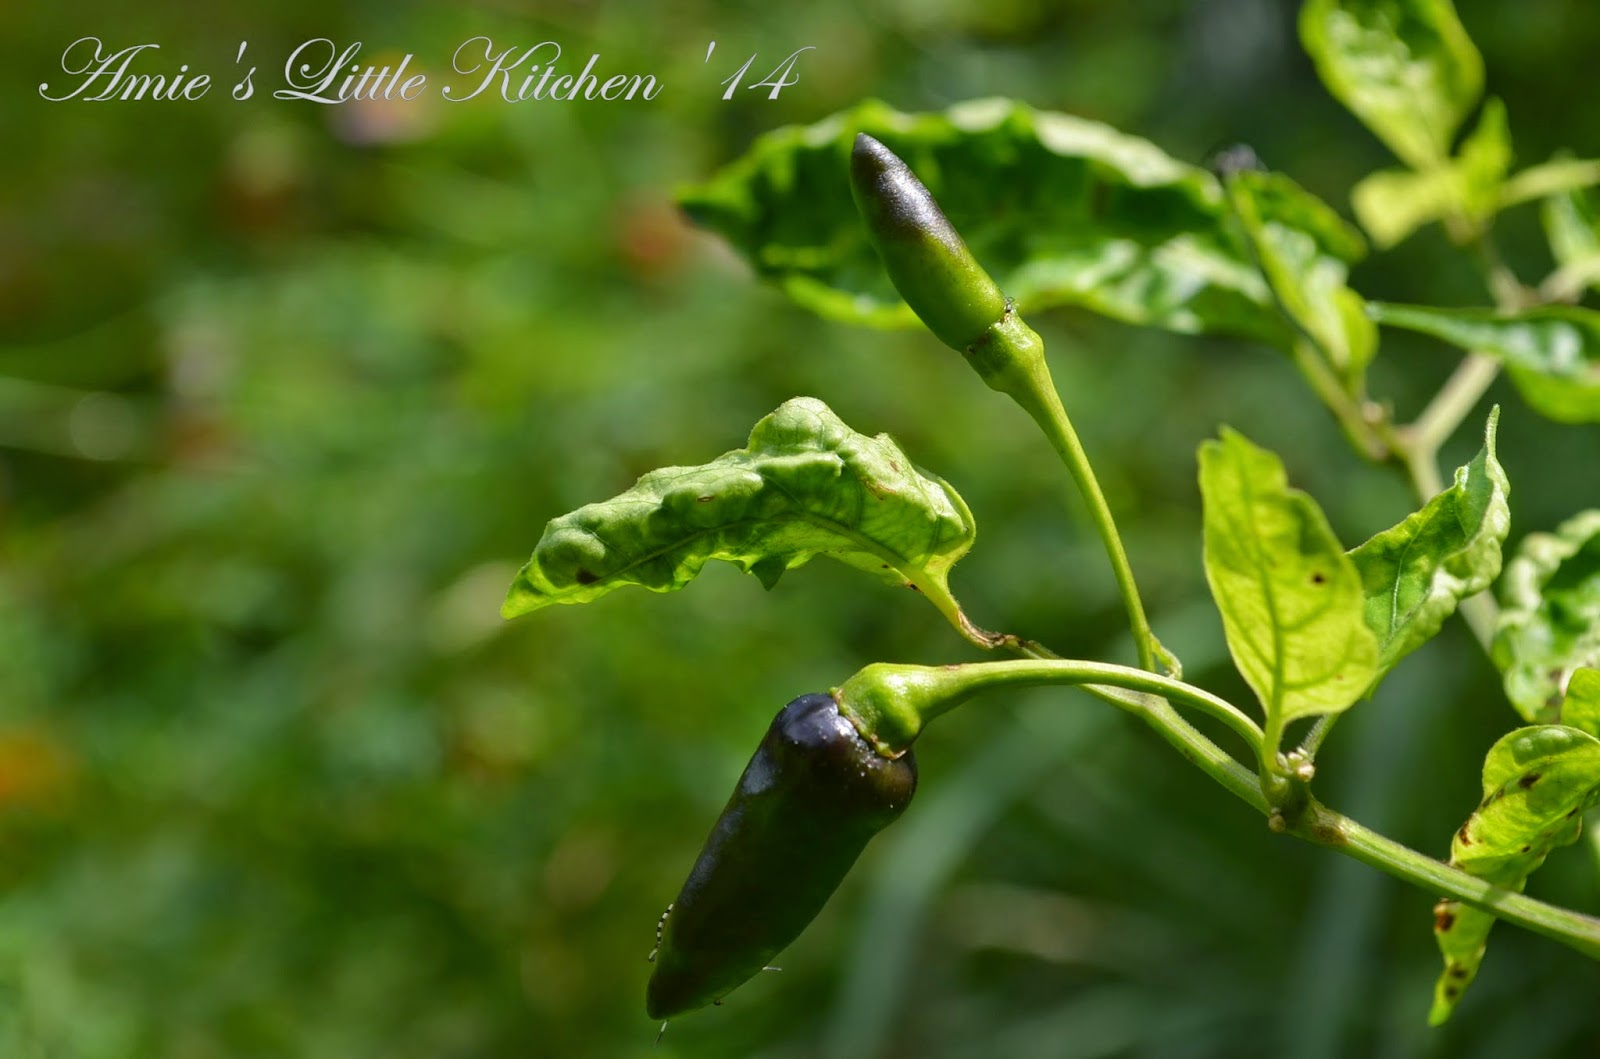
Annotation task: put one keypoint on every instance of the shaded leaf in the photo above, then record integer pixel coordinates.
(1414, 574)
(1291, 599)
(1551, 353)
(1060, 210)
(806, 485)
(1406, 68)
(1550, 615)
(1302, 247)
(1537, 783)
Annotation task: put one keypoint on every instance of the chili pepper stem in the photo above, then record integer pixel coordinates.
(1010, 358)
(888, 696)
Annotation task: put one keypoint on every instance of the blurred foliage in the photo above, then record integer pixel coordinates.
(287, 392)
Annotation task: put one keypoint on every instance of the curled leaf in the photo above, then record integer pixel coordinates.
(1549, 624)
(1058, 209)
(1537, 783)
(805, 485)
(1414, 574)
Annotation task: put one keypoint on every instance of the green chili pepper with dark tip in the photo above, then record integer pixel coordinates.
(930, 265)
(812, 796)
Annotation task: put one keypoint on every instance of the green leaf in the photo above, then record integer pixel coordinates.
(1551, 353)
(1555, 177)
(1483, 162)
(1303, 248)
(1414, 574)
(1580, 708)
(1393, 203)
(1549, 623)
(806, 485)
(1406, 68)
(1537, 783)
(1290, 597)
(1060, 210)
(1572, 227)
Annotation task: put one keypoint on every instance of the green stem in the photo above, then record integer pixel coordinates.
(1028, 382)
(1573, 929)
(899, 699)
(1360, 430)
(1452, 404)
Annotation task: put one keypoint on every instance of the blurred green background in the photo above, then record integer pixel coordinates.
(287, 392)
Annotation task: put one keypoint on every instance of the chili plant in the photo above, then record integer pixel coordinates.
(1063, 211)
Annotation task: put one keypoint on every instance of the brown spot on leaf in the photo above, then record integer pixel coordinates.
(1466, 840)
(1444, 917)
(586, 577)
(1527, 849)
(1529, 780)
(1457, 971)
(1318, 578)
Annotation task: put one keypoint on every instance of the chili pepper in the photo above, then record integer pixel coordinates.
(926, 258)
(812, 796)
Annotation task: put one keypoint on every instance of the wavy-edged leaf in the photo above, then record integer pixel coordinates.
(1549, 623)
(806, 485)
(1537, 783)
(1060, 210)
(1290, 597)
(1303, 248)
(1406, 68)
(1414, 574)
(1551, 353)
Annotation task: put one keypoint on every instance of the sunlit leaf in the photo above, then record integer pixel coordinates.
(1060, 210)
(1572, 227)
(1550, 615)
(1393, 203)
(806, 485)
(1483, 161)
(1303, 248)
(1555, 177)
(1551, 353)
(1291, 599)
(1580, 708)
(1537, 783)
(1406, 68)
(1415, 574)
